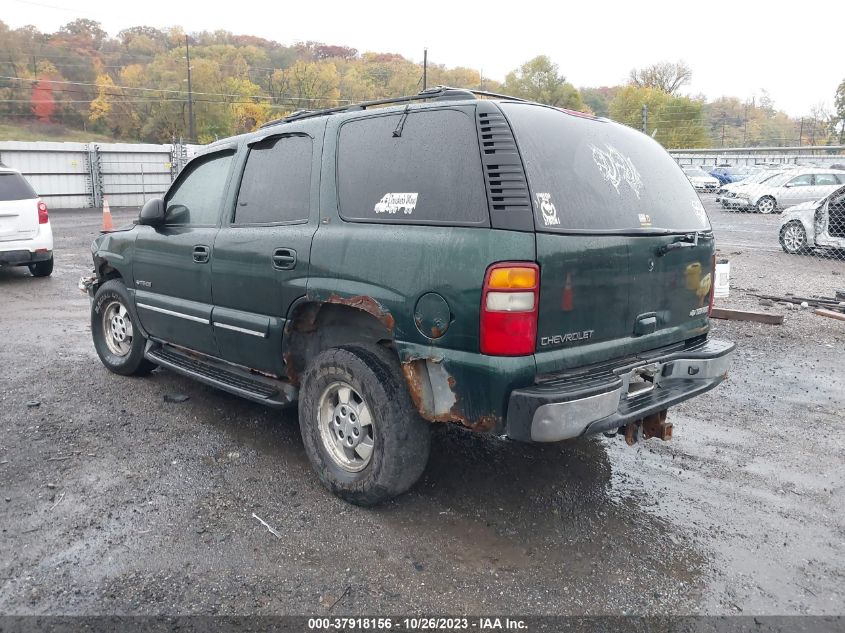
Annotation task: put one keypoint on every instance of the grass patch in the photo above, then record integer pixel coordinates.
(34, 131)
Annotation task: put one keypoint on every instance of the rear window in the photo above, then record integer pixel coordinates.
(15, 187)
(412, 167)
(596, 176)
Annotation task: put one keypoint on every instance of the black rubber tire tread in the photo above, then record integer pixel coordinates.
(42, 269)
(402, 437)
(134, 364)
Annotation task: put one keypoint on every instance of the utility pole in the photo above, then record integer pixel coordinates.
(801, 132)
(645, 118)
(723, 128)
(425, 68)
(191, 125)
(745, 127)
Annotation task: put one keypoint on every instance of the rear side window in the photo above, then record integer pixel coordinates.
(15, 187)
(412, 167)
(596, 176)
(198, 196)
(276, 184)
(828, 179)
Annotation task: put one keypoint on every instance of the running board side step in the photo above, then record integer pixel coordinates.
(215, 373)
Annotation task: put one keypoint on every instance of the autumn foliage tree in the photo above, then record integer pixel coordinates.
(43, 103)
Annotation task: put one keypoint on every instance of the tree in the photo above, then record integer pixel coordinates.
(668, 77)
(43, 103)
(85, 30)
(598, 99)
(839, 104)
(676, 122)
(307, 86)
(539, 79)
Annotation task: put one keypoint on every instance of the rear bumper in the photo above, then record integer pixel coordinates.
(22, 258)
(38, 248)
(603, 399)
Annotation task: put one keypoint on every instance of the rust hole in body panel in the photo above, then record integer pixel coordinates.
(418, 377)
(368, 305)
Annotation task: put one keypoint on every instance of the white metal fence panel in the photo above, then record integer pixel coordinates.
(80, 175)
(132, 174)
(59, 172)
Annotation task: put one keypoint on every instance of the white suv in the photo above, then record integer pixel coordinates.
(26, 238)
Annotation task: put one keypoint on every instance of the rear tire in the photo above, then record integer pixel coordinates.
(117, 339)
(42, 269)
(362, 434)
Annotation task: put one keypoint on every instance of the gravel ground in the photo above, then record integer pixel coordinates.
(116, 501)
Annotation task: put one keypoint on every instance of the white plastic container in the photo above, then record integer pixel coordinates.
(723, 278)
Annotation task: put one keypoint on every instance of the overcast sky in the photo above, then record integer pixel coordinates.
(795, 50)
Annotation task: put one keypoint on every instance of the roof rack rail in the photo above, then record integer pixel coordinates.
(437, 92)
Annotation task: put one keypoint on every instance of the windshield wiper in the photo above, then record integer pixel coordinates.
(690, 240)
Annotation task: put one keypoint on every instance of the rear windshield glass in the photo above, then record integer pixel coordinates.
(591, 175)
(14, 187)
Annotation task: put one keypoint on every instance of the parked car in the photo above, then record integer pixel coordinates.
(26, 238)
(700, 179)
(726, 175)
(510, 267)
(789, 188)
(727, 194)
(811, 224)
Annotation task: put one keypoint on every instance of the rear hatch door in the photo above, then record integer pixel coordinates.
(623, 242)
(18, 208)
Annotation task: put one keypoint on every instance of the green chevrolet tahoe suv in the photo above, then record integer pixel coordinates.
(514, 268)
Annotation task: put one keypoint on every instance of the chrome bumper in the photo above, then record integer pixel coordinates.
(616, 395)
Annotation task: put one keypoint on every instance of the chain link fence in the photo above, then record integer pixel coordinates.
(779, 219)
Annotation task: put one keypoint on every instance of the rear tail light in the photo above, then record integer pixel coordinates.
(712, 285)
(43, 217)
(509, 306)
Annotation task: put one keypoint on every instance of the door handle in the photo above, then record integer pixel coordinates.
(284, 259)
(201, 254)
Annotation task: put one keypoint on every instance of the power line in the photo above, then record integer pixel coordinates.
(172, 91)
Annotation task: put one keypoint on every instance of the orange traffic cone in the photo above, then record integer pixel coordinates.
(107, 225)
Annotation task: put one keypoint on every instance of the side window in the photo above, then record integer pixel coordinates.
(198, 196)
(802, 181)
(412, 167)
(826, 179)
(276, 184)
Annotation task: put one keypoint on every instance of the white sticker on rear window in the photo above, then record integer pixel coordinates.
(544, 201)
(616, 167)
(698, 208)
(393, 203)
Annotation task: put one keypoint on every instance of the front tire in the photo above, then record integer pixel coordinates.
(766, 205)
(42, 269)
(118, 341)
(793, 238)
(361, 432)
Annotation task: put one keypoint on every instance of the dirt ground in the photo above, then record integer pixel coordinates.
(113, 500)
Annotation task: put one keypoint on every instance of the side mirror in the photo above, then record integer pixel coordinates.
(152, 213)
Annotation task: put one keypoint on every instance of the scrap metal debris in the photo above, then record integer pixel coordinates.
(267, 525)
(176, 398)
(836, 303)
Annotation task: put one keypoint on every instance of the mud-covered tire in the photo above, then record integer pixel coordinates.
(42, 269)
(400, 438)
(124, 357)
